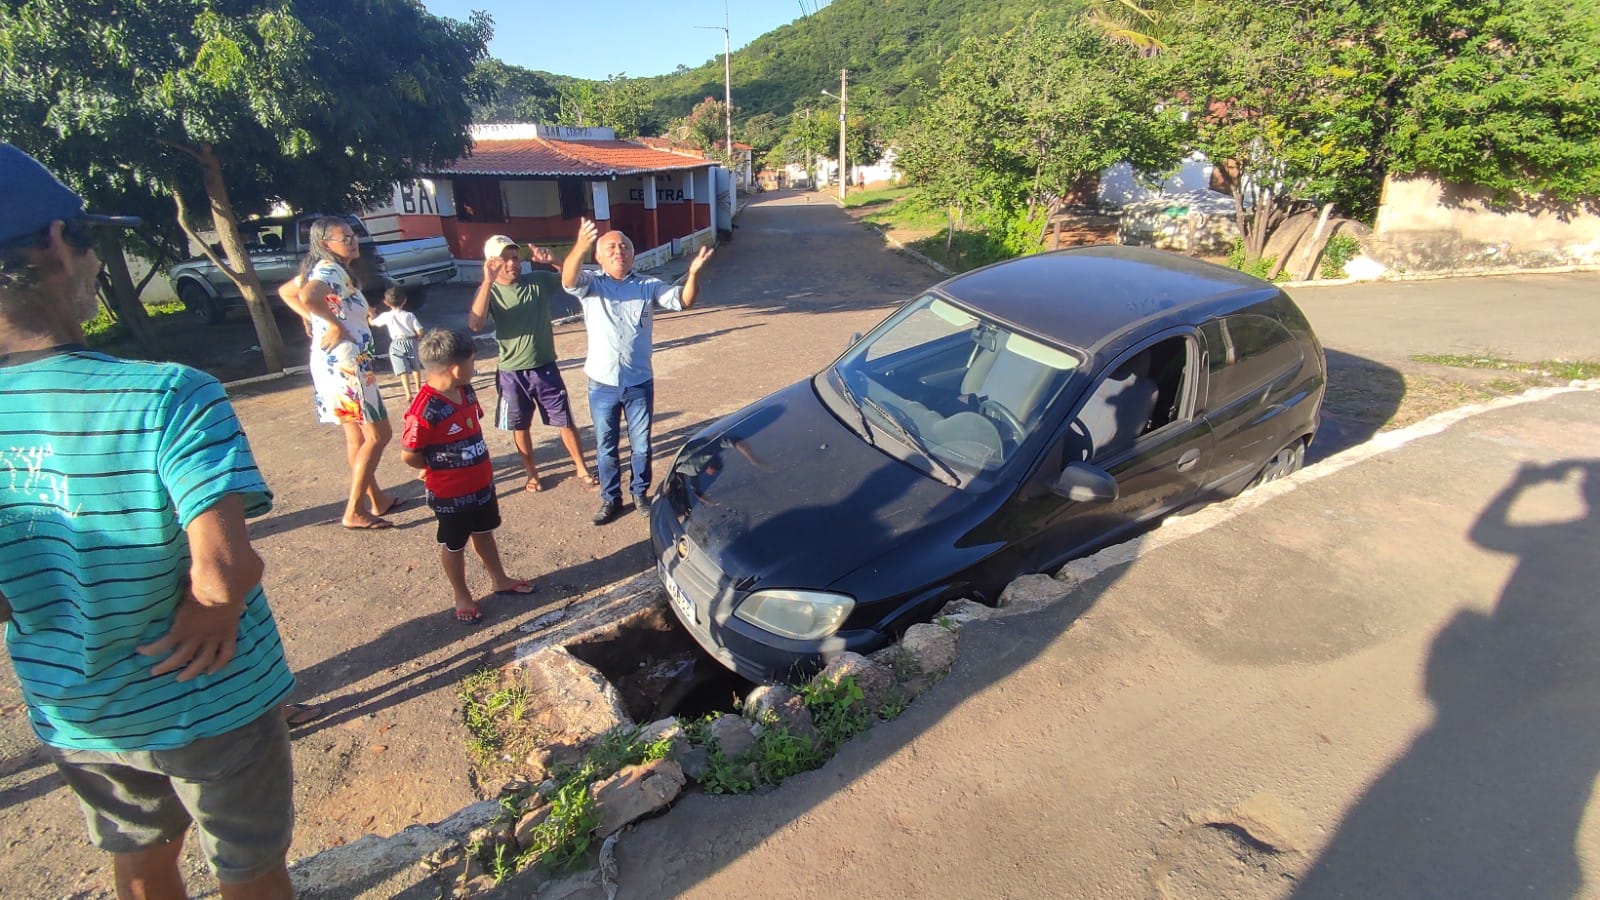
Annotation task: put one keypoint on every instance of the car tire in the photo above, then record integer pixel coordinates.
(1284, 463)
(201, 305)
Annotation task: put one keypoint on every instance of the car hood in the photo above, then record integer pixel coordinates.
(781, 494)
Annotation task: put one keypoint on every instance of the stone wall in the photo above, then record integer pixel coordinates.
(1200, 223)
(1428, 226)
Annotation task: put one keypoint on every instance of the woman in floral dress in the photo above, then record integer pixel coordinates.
(341, 363)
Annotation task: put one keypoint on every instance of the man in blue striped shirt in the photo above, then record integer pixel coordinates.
(132, 602)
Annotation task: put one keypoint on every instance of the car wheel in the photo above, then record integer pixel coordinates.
(1284, 463)
(200, 304)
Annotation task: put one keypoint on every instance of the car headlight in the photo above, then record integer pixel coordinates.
(802, 615)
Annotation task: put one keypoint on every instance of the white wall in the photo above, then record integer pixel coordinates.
(1119, 187)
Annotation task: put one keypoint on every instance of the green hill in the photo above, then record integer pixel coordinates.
(892, 48)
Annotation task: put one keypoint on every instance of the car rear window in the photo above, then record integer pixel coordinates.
(1248, 351)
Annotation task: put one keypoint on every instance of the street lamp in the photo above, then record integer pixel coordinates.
(843, 86)
(727, 93)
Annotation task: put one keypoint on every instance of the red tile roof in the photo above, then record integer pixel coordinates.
(537, 156)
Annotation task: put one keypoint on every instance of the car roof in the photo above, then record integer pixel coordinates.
(1088, 296)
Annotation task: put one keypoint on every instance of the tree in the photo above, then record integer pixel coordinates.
(1278, 103)
(238, 104)
(1500, 95)
(1019, 119)
(513, 94)
(618, 102)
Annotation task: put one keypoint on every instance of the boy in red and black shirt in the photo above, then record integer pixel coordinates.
(443, 436)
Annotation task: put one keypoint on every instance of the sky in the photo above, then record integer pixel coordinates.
(636, 37)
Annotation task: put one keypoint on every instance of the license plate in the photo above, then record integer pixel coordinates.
(679, 599)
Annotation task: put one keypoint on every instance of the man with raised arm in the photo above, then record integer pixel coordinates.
(618, 306)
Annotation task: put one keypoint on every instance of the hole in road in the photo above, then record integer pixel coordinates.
(659, 670)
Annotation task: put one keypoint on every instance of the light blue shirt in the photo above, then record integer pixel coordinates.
(617, 317)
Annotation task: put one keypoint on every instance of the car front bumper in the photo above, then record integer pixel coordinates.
(703, 599)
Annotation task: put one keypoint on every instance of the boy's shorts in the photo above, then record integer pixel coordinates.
(238, 787)
(458, 526)
(403, 355)
(524, 390)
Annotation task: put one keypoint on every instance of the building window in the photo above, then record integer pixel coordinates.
(479, 200)
(574, 197)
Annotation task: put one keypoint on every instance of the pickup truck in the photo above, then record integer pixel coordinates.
(276, 246)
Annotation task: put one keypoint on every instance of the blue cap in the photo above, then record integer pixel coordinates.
(31, 198)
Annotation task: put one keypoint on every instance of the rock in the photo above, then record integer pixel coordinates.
(796, 719)
(695, 761)
(733, 736)
(662, 729)
(476, 886)
(552, 756)
(890, 656)
(569, 699)
(765, 699)
(1033, 592)
(931, 648)
(547, 788)
(523, 833)
(338, 871)
(635, 792)
(959, 612)
(876, 681)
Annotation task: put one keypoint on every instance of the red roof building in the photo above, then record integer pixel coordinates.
(534, 182)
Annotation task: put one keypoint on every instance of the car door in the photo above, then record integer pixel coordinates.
(1252, 362)
(274, 262)
(1139, 422)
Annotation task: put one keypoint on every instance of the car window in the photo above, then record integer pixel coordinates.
(959, 388)
(1141, 394)
(1246, 352)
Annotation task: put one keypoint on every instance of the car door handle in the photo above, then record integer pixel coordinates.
(1187, 460)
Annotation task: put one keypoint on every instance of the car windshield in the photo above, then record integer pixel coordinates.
(958, 389)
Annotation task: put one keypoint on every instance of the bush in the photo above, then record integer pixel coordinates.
(1341, 249)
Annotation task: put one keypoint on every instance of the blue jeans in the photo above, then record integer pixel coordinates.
(638, 405)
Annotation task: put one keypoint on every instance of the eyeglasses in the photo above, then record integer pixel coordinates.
(342, 239)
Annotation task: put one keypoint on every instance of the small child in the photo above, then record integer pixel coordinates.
(443, 436)
(404, 329)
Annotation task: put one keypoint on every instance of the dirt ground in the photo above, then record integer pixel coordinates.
(364, 615)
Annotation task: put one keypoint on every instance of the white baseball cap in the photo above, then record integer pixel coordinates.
(493, 247)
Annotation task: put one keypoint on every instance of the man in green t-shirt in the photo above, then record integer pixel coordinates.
(518, 302)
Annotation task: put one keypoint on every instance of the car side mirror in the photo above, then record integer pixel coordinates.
(1085, 483)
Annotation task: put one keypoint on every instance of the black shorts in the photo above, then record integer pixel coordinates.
(455, 528)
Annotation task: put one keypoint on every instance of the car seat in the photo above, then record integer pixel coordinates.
(1118, 411)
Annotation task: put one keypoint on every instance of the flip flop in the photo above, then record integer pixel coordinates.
(534, 485)
(297, 714)
(521, 587)
(374, 525)
(469, 616)
(394, 504)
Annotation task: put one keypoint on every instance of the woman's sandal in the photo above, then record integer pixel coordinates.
(469, 616)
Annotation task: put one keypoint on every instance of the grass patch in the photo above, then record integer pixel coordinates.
(103, 329)
(493, 711)
(1559, 369)
(877, 196)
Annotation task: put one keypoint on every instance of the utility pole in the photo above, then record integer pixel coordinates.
(727, 99)
(843, 80)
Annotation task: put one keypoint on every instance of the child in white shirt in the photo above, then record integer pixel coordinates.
(404, 331)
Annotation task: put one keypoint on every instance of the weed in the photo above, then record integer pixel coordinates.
(894, 704)
(561, 840)
(726, 776)
(837, 709)
(1257, 267)
(780, 753)
(485, 707)
(1341, 248)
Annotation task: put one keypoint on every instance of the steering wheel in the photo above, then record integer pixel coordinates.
(994, 410)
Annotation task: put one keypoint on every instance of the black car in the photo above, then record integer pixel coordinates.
(1006, 421)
